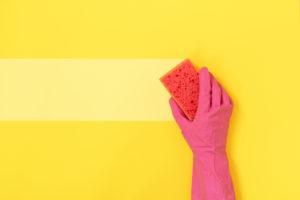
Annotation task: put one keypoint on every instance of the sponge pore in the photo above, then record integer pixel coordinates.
(182, 82)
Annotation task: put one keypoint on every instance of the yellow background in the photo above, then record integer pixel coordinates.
(253, 49)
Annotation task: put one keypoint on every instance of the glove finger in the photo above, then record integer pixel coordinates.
(178, 114)
(226, 100)
(204, 102)
(216, 93)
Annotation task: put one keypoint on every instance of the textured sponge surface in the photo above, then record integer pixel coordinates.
(182, 82)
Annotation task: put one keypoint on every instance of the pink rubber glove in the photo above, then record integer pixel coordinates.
(206, 136)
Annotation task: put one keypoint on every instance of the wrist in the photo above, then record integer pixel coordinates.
(211, 176)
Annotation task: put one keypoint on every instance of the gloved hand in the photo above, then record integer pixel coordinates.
(206, 136)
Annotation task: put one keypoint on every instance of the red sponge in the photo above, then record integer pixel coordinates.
(182, 82)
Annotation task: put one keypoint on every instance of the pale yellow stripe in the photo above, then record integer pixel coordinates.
(84, 89)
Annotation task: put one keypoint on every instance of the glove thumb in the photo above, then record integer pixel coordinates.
(178, 114)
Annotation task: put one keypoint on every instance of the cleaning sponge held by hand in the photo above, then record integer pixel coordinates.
(182, 82)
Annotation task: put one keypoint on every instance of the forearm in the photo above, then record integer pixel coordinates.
(211, 177)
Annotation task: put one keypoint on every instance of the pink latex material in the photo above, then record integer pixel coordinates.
(206, 136)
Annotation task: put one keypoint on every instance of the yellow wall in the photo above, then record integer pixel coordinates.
(253, 49)
(93, 160)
